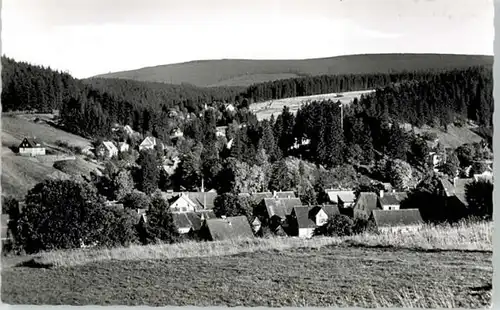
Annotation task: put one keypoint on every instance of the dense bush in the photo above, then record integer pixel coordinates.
(63, 214)
(159, 225)
(338, 225)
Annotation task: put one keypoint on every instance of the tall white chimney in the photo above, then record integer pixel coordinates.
(381, 193)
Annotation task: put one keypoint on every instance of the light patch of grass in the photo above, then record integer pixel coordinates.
(464, 236)
(264, 110)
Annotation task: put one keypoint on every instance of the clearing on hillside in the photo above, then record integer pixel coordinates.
(265, 109)
(328, 276)
(20, 174)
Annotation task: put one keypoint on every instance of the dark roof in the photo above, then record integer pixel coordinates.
(229, 228)
(195, 220)
(330, 210)
(181, 220)
(392, 218)
(32, 142)
(198, 199)
(257, 197)
(448, 187)
(392, 198)
(302, 216)
(209, 214)
(281, 207)
(367, 201)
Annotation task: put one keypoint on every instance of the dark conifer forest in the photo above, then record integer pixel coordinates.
(90, 107)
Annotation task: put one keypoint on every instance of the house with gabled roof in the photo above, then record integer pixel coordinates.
(31, 147)
(455, 191)
(305, 219)
(303, 223)
(365, 204)
(107, 149)
(149, 143)
(257, 198)
(273, 212)
(228, 228)
(391, 200)
(397, 220)
(190, 201)
(342, 198)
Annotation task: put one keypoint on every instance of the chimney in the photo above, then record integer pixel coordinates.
(381, 193)
(274, 194)
(455, 181)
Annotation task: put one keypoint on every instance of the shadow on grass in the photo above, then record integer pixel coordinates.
(355, 244)
(34, 263)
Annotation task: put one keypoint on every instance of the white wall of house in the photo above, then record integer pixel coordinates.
(183, 230)
(321, 218)
(182, 205)
(390, 207)
(306, 232)
(32, 151)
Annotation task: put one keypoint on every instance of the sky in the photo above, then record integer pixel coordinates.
(90, 37)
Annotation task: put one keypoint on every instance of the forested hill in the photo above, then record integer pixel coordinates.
(29, 87)
(89, 107)
(245, 72)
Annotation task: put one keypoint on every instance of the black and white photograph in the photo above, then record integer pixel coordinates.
(247, 153)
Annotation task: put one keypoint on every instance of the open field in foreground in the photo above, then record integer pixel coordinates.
(436, 267)
(329, 276)
(265, 109)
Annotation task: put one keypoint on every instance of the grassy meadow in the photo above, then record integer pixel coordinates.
(444, 266)
(264, 110)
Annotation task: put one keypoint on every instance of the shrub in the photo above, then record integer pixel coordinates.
(338, 225)
(136, 200)
(61, 214)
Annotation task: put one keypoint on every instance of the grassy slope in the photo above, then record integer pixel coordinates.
(19, 174)
(245, 72)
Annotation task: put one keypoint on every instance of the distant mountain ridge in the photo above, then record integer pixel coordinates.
(244, 72)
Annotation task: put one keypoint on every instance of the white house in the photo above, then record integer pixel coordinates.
(149, 143)
(31, 147)
(107, 149)
(123, 147)
(183, 204)
(391, 201)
